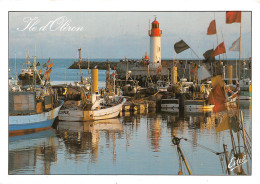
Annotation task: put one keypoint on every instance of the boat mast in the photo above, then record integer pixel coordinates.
(15, 66)
(239, 61)
(35, 67)
(88, 69)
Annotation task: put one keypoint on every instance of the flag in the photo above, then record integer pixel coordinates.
(207, 56)
(220, 49)
(159, 69)
(49, 60)
(224, 124)
(203, 73)
(217, 97)
(233, 17)
(235, 45)
(40, 71)
(180, 46)
(195, 68)
(113, 74)
(217, 80)
(47, 74)
(50, 65)
(212, 28)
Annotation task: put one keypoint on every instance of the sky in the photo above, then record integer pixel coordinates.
(122, 34)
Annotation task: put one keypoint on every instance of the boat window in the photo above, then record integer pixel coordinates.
(24, 102)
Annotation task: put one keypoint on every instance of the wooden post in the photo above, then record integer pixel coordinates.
(226, 156)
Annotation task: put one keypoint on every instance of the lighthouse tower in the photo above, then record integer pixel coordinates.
(155, 45)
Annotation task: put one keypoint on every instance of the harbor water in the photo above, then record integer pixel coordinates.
(134, 143)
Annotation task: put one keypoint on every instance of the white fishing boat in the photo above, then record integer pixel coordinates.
(101, 109)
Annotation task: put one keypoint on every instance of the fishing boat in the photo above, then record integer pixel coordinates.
(34, 108)
(28, 114)
(92, 106)
(101, 109)
(26, 77)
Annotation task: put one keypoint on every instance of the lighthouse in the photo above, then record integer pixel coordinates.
(155, 45)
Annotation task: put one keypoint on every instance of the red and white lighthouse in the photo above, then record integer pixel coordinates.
(155, 45)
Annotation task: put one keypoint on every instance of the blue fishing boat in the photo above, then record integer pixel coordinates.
(33, 107)
(28, 114)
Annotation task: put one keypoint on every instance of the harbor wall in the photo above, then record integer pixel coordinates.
(139, 69)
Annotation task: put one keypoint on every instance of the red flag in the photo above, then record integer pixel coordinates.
(159, 69)
(49, 60)
(233, 17)
(217, 97)
(47, 73)
(50, 65)
(194, 70)
(220, 49)
(113, 74)
(212, 28)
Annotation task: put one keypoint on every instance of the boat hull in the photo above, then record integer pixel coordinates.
(34, 122)
(92, 115)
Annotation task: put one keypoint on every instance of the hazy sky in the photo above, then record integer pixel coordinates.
(123, 34)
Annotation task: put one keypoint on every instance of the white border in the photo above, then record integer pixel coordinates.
(127, 5)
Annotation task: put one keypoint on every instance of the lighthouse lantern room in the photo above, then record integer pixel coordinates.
(155, 45)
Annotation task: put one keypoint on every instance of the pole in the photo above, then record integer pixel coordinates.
(187, 166)
(88, 69)
(226, 156)
(35, 68)
(217, 36)
(126, 70)
(239, 61)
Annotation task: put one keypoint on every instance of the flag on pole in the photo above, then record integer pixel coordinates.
(217, 80)
(224, 124)
(220, 49)
(180, 46)
(217, 97)
(113, 74)
(212, 28)
(233, 17)
(47, 74)
(158, 70)
(50, 65)
(203, 73)
(208, 56)
(235, 45)
(49, 60)
(40, 71)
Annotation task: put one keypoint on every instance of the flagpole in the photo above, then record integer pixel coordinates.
(195, 53)
(239, 61)
(217, 35)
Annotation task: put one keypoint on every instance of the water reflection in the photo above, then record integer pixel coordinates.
(82, 138)
(27, 150)
(131, 144)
